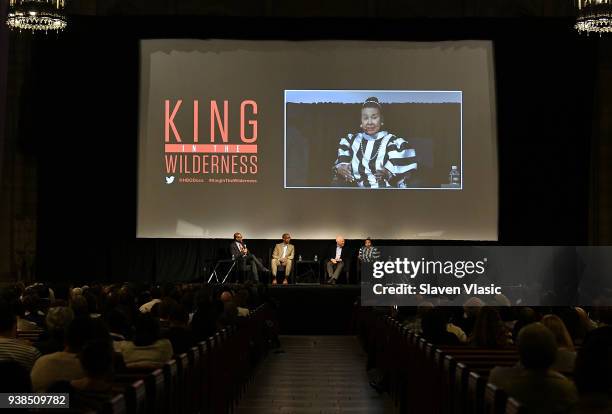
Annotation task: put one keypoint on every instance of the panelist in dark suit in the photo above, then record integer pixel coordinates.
(338, 256)
(246, 260)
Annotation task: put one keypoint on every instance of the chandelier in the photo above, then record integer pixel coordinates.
(37, 15)
(594, 16)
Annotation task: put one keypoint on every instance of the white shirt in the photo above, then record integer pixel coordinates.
(59, 366)
(338, 252)
(284, 251)
(146, 308)
(240, 247)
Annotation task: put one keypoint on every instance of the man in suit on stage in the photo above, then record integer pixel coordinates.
(283, 255)
(246, 260)
(339, 258)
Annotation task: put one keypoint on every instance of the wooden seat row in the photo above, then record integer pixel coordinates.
(209, 378)
(422, 377)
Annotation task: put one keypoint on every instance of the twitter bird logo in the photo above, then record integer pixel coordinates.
(170, 180)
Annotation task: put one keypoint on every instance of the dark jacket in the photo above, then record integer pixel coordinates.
(346, 254)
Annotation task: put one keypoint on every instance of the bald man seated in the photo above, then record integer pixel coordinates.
(283, 256)
(338, 258)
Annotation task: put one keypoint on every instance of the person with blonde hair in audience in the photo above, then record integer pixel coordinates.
(566, 354)
(471, 307)
(489, 330)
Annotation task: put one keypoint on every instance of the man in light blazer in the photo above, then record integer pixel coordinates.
(283, 256)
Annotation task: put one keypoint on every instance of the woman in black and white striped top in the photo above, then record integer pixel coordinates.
(373, 158)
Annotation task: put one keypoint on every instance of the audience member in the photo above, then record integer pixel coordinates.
(95, 387)
(489, 330)
(538, 388)
(203, 323)
(566, 354)
(32, 310)
(79, 306)
(147, 349)
(119, 328)
(434, 325)
(65, 365)
(57, 320)
(178, 332)
(11, 348)
(416, 324)
(471, 307)
(524, 316)
(242, 299)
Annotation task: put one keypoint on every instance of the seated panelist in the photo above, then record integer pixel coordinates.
(247, 260)
(283, 256)
(338, 257)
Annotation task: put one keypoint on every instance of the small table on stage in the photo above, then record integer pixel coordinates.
(307, 272)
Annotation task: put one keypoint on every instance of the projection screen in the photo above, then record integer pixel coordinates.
(392, 140)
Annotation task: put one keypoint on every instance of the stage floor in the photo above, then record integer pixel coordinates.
(315, 309)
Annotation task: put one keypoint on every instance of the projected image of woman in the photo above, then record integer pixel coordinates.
(373, 158)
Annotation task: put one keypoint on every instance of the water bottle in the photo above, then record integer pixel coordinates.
(316, 258)
(454, 177)
(299, 258)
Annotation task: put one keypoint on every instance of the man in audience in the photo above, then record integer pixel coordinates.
(119, 328)
(32, 311)
(246, 259)
(10, 347)
(65, 365)
(538, 388)
(338, 259)
(156, 295)
(57, 320)
(283, 256)
(147, 349)
(241, 298)
(95, 388)
(178, 333)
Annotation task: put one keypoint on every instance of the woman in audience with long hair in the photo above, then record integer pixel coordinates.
(566, 354)
(489, 330)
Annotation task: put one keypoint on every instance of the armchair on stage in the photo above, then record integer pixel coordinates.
(231, 268)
